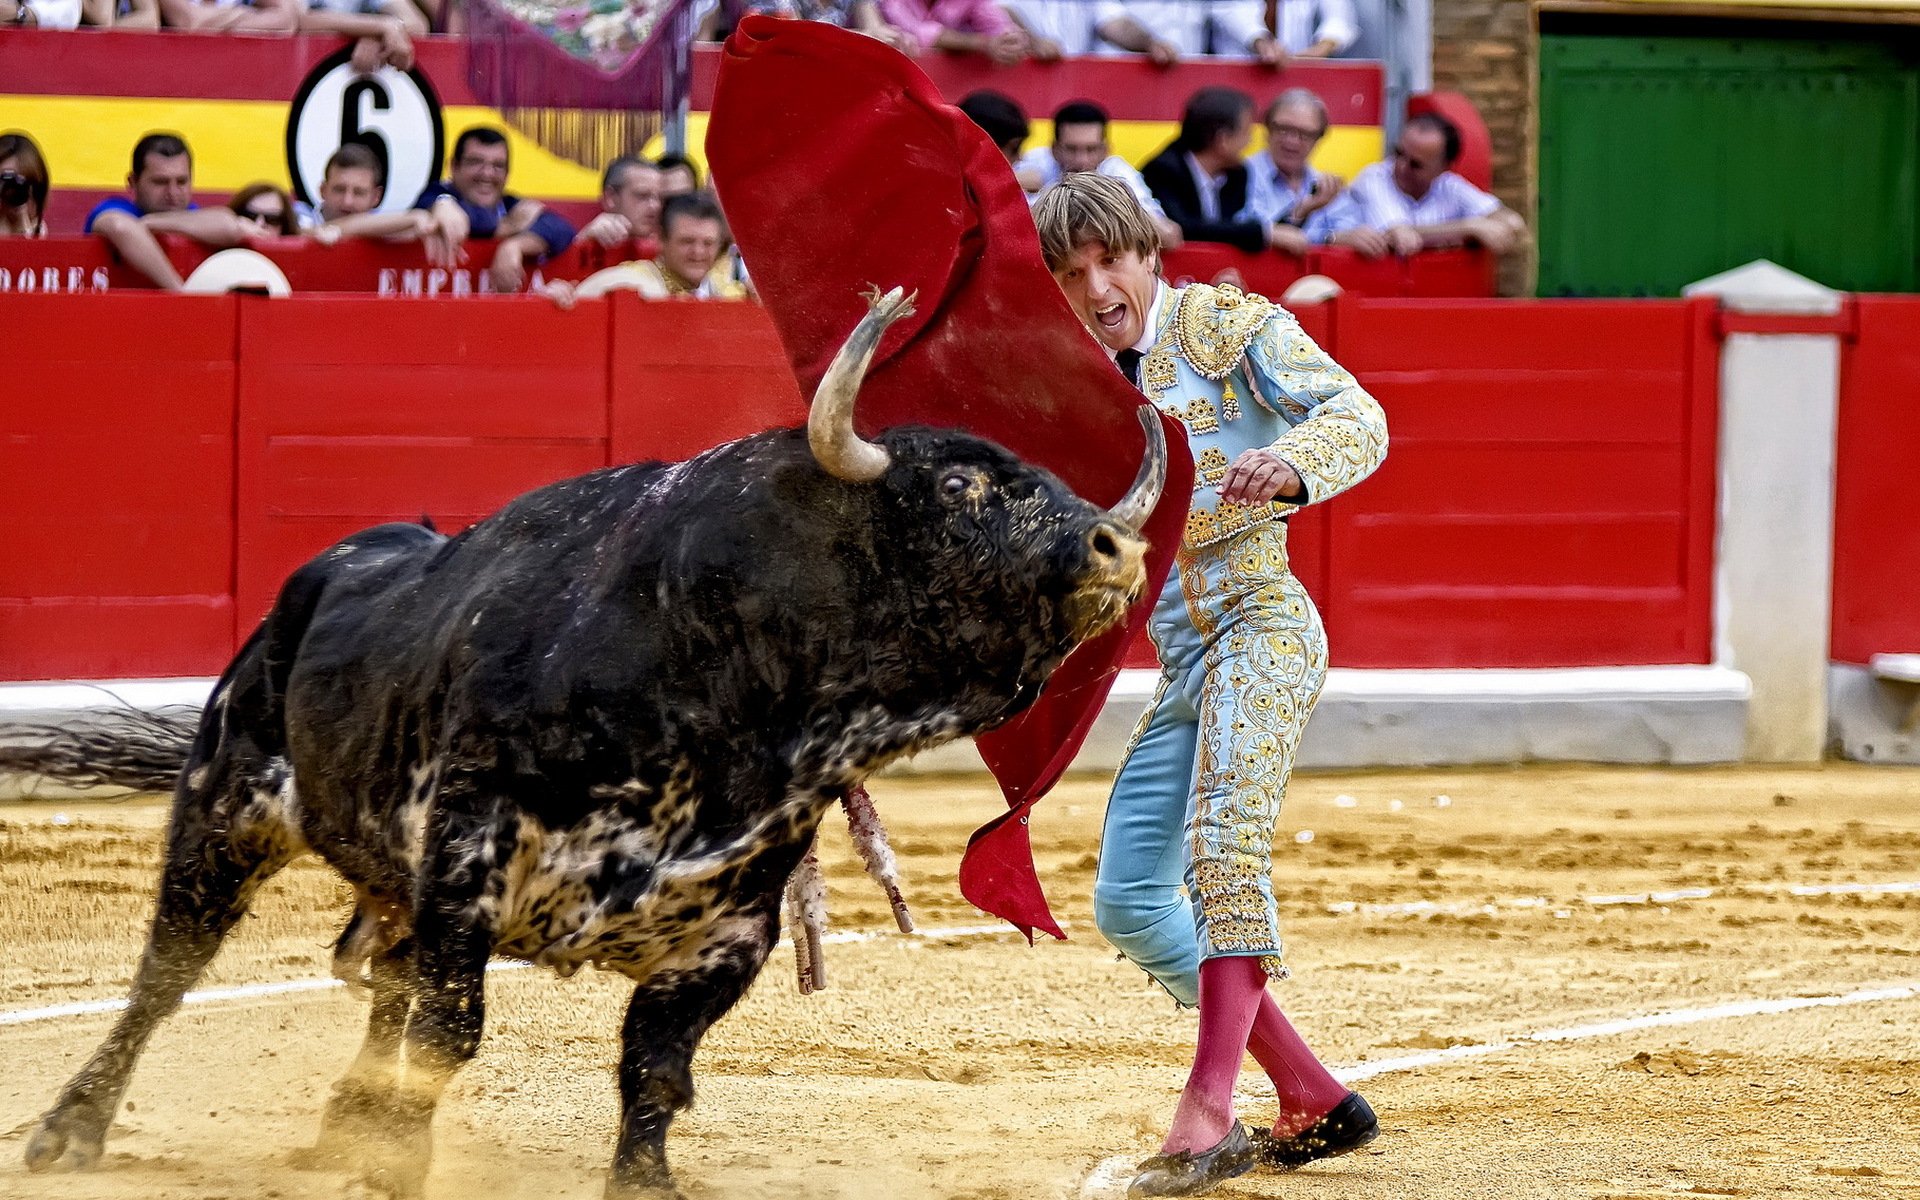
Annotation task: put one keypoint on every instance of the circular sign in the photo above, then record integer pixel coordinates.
(394, 113)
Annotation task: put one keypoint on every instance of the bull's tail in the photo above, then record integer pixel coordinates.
(126, 748)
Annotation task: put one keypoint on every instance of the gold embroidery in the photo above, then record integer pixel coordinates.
(1200, 416)
(1211, 467)
(1156, 371)
(1208, 525)
(1215, 325)
(1229, 403)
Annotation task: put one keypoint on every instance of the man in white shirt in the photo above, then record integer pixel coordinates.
(1413, 201)
(1080, 144)
(1168, 30)
(1315, 28)
(1283, 189)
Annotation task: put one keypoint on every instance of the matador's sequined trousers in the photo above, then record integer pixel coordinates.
(1243, 658)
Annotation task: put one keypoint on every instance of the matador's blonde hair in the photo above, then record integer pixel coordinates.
(1084, 207)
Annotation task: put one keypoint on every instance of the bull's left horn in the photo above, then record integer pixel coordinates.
(841, 452)
(1134, 509)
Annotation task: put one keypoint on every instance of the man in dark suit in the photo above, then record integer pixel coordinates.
(1200, 180)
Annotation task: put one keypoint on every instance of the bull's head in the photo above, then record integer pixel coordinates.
(1008, 549)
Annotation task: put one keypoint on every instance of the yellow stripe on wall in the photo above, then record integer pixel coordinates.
(88, 142)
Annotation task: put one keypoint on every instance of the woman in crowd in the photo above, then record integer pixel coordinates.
(23, 187)
(268, 206)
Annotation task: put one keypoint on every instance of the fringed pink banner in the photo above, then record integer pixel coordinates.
(589, 80)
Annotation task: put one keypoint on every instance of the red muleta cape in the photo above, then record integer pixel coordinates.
(841, 168)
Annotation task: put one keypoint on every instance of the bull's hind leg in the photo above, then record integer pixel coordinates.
(355, 1110)
(666, 1019)
(446, 974)
(229, 835)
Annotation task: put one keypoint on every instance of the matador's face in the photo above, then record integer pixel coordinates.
(1111, 292)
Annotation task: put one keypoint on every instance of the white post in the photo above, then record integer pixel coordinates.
(1773, 558)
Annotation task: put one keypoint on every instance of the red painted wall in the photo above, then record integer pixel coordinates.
(1548, 499)
(1876, 551)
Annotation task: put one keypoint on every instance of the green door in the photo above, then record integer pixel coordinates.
(1668, 158)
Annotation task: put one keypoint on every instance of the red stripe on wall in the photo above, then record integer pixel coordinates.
(237, 67)
(1876, 550)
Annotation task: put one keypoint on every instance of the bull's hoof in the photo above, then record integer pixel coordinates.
(665, 1190)
(76, 1136)
(645, 1179)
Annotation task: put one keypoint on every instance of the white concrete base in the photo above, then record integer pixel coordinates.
(1682, 714)
(1870, 716)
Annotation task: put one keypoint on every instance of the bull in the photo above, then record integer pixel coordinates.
(600, 728)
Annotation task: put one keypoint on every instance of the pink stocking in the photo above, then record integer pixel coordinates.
(1230, 991)
(1307, 1090)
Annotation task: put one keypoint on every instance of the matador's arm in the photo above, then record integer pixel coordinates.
(1339, 433)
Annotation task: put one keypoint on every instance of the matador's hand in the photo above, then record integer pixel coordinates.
(1258, 476)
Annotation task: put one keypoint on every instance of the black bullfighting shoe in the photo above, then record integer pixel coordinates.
(1189, 1174)
(1348, 1127)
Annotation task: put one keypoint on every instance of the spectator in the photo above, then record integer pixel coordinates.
(678, 175)
(1054, 28)
(121, 14)
(960, 26)
(1413, 201)
(268, 206)
(24, 184)
(861, 16)
(1315, 28)
(476, 188)
(351, 189)
(694, 261)
(1283, 189)
(162, 202)
(629, 207)
(1199, 179)
(40, 14)
(1168, 30)
(1000, 117)
(383, 29)
(1080, 144)
(232, 16)
(693, 239)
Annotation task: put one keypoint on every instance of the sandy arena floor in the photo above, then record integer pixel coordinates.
(967, 1065)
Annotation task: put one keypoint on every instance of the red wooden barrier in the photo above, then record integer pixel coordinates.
(1548, 498)
(1876, 551)
(349, 417)
(116, 445)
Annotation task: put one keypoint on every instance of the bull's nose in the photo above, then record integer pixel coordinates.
(1114, 552)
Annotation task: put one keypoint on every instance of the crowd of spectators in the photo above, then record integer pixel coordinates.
(1165, 31)
(1205, 186)
(670, 237)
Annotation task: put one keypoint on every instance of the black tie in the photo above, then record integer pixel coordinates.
(1129, 361)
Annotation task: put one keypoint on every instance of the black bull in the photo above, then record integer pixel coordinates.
(600, 727)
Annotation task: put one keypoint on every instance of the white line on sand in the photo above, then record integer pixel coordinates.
(1432, 908)
(1110, 1177)
(259, 991)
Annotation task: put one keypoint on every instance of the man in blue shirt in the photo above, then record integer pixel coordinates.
(476, 186)
(1284, 191)
(161, 183)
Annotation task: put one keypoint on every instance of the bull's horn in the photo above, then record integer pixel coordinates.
(1134, 509)
(843, 453)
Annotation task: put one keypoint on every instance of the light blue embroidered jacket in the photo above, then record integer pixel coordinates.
(1241, 374)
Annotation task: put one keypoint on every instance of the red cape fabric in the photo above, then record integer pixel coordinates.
(841, 168)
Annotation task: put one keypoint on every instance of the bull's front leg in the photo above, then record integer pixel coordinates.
(666, 1019)
(453, 937)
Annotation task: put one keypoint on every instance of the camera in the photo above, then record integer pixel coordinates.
(14, 189)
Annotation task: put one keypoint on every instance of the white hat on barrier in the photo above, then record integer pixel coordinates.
(1310, 289)
(238, 271)
(642, 277)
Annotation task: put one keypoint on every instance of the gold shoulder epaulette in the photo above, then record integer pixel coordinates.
(1215, 324)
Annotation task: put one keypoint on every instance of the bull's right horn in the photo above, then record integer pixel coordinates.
(841, 452)
(1134, 509)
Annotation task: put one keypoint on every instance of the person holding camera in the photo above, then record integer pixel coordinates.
(23, 187)
(1284, 191)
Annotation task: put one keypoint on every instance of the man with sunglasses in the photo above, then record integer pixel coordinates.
(1413, 201)
(476, 189)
